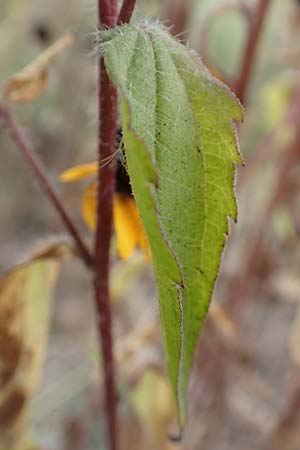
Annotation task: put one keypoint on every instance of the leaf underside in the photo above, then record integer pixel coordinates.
(181, 150)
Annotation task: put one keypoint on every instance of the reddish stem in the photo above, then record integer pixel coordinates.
(177, 13)
(106, 184)
(254, 34)
(126, 11)
(39, 171)
(107, 13)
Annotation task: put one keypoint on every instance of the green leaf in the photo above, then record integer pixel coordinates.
(180, 144)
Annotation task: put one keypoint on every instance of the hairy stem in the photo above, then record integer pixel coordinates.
(256, 26)
(107, 129)
(106, 185)
(126, 11)
(40, 173)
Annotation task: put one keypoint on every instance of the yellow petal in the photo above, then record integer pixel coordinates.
(129, 228)
(89, 205)
(125, 225)
(144, 244)
(127, 222)
(142, 240)
(79, 172)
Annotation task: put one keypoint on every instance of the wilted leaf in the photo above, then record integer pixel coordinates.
(25, 294)
(222, 320)
(52, 248)
(31, 81)
(181, 148)
(295, 340)
(153, 403)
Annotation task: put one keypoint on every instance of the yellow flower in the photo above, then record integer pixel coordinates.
(127, 222)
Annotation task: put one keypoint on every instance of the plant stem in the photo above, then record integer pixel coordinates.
(126, 11)
(106, 184)
(177, 14)
(107, 129)
(39, 171)
(254, 34)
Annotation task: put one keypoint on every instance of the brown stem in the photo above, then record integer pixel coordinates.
(107, 17)
(254, 34)
(107, 129)
(106, 185)
(126, 11)
(107, 13)
(177, 14)
(39, 171)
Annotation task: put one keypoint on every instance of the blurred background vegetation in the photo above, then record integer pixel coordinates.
(245, 387)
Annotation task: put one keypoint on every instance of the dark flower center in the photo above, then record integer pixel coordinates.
(123, 185)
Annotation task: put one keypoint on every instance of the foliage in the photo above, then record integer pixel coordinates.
(180, 149)
(182, 183)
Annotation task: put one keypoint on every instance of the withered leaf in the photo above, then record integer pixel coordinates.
(25, 299)
(294, 341)
(154, 405)
(31, 81)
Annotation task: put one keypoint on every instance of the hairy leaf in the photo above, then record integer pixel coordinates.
(181, 149)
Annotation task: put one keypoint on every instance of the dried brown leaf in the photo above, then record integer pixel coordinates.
(31, 81)
(153, 403)
(25, 299)
(294, 342)
(222, 320)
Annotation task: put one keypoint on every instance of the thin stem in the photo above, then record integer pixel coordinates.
(106, 184)
(249, 53)
(107, 13)
(177, 14)
(126, 11)
(40, 172)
